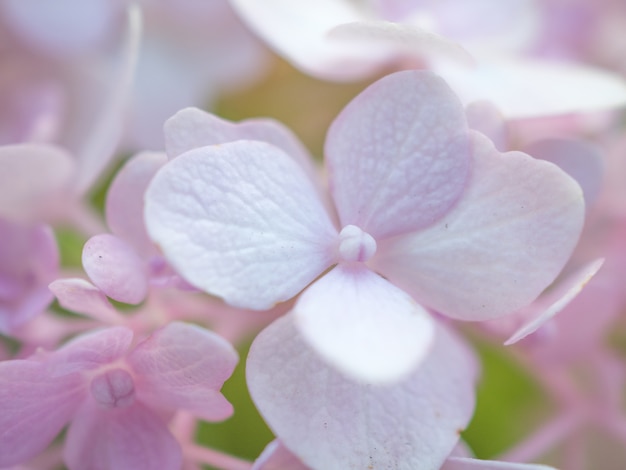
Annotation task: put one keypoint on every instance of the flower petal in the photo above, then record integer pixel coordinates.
(35, 407)
(131, 438)
(558, 87)
(565, 293)
(506, 240)
(125, 200)
(242, 221)
(114, 266)
(333, 423)
(184, 366)
(465, 463)
(581, 160)
(81, 296)
(91, 350)
(363, 325)
(398, 154)
(276, 456)
(33, 180)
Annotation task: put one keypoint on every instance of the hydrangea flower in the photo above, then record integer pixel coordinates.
(432, 207)
(116, 395)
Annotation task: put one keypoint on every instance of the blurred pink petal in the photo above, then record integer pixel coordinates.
(582, 160)
(29, 260)
(565, 292)
(35, 407)
(64, 28)
(81, 296)
(559, 88)
(184, 366)
(34, 179)
(505, 241)
(464, 463)
(95, 151)
(328, 421)
(398, 155)
(125, 200)
(115, 268)
(131, 438)
(227, 216)
(484, 117)
(364, 326)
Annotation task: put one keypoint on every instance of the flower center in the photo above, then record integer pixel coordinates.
(355, 244)
(113, 388)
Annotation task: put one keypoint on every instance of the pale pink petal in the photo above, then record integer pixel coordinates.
(29, 260)
(242, 221)
(328, 421)
(299, 32)
(33, 180)
(505, 241)
(401, 40)
(96, 149)
(582, 160)
(484, 117)
(132, 438)
(91, 350)
(191, 128)
(276, 456)
(124, 203)
(184, 366)
(560, 298)
(364, 326)
(81, 296)
(114, 266)
(398, 154)
(557, 87)
(464, 463)
(63, 28)
(35, 407)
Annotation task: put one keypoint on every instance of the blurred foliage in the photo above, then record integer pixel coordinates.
(510, 405)
(306, 105)
(245, 434)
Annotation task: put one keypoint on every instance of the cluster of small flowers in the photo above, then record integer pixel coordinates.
(456, 188)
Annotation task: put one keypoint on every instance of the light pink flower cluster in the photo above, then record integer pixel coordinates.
(453, 203)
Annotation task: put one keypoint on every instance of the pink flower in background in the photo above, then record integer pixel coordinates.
(414, 194)
(29, 261)
(484, 49)
(117, 396)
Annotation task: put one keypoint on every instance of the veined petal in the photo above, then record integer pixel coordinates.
(242, 221)
(35, 407)
(125, 200)
(398, 155)
(184, 366)
(506, 240)
(131, 438)
(91, 350)
(331, 422)
(363, 325)
(191, 128)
